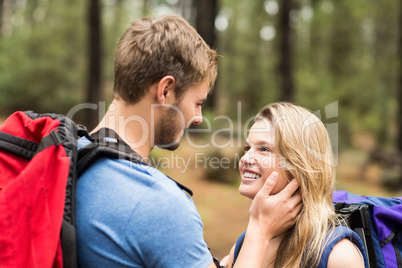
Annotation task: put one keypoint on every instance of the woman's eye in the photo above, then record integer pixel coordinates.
(265, 149)
(246, 148)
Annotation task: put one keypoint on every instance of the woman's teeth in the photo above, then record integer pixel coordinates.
(250, 175)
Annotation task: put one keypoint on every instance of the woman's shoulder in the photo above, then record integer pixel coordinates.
(344, 248)
(345, 254)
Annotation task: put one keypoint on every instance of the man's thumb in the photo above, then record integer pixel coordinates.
(269, 184)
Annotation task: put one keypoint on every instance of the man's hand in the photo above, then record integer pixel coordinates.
(274, 214)
(270, 216)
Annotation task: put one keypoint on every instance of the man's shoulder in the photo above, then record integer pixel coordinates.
(126, 177)
(114, 163)
(130, 187)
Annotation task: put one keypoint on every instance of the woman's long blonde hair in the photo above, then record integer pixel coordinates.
(304, 149)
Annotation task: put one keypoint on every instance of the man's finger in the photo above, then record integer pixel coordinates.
(269, 184)
(297, 210)
(296, 197)
(290, 189)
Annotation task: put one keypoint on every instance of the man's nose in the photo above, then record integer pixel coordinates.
(197, 119)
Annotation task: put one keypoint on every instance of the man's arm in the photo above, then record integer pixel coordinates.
(269, 217)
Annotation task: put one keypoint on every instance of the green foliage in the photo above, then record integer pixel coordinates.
(343, 51)
(43, 68)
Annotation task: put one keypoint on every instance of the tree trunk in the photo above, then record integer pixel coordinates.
(206, 11)
(399, 87)
(205, 20)
(95, 62)
(1, 16)
(285, 64)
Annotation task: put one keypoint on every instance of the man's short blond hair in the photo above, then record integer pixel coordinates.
(152, 48)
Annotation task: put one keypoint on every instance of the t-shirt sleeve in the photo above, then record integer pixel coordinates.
(170, 232)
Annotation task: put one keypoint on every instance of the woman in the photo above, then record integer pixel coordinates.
(293, 142)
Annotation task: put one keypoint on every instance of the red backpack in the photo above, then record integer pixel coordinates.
(37, 180)
(39, 167)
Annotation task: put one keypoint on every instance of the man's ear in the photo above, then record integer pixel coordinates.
(165, 90)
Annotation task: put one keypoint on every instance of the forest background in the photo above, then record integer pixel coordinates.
(341, 59)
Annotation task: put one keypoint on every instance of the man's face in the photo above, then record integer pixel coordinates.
(181, 115)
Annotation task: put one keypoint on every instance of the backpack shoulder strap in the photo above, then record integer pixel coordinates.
(339, 233)
(107, 143)
(238, 246)
(336, 235)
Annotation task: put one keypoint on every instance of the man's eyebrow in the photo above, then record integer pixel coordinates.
(202, 102)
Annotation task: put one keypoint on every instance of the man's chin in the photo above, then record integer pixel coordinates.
(171, 146)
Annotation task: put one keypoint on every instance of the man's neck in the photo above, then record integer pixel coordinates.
(132, 123)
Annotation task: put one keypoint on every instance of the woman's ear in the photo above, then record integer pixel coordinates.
(165, 90)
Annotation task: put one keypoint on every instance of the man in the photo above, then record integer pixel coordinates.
(132, 215)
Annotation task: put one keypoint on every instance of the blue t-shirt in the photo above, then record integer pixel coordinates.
(131, 215)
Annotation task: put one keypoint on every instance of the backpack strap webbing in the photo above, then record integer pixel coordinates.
(217, 262)
(358, 219)
(394, 236)
(103, 145)
(69, 245)
(18, 146)
(238, 246)
(107, 143)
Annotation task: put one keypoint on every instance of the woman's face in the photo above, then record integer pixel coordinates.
(260, 160)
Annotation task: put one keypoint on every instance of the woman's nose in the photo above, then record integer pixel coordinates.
(249, 158)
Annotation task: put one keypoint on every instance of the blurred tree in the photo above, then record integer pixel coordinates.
(246, 80)
(206, 11)
(115, 19)
(94, 60)
(1, 16)
(285, 50)
(311, 42)
(335, 50)
(399, 89)
(31, 12)
(42, 64)
(347, 84)
(205, 20)
(382, 42)
(252, 72)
